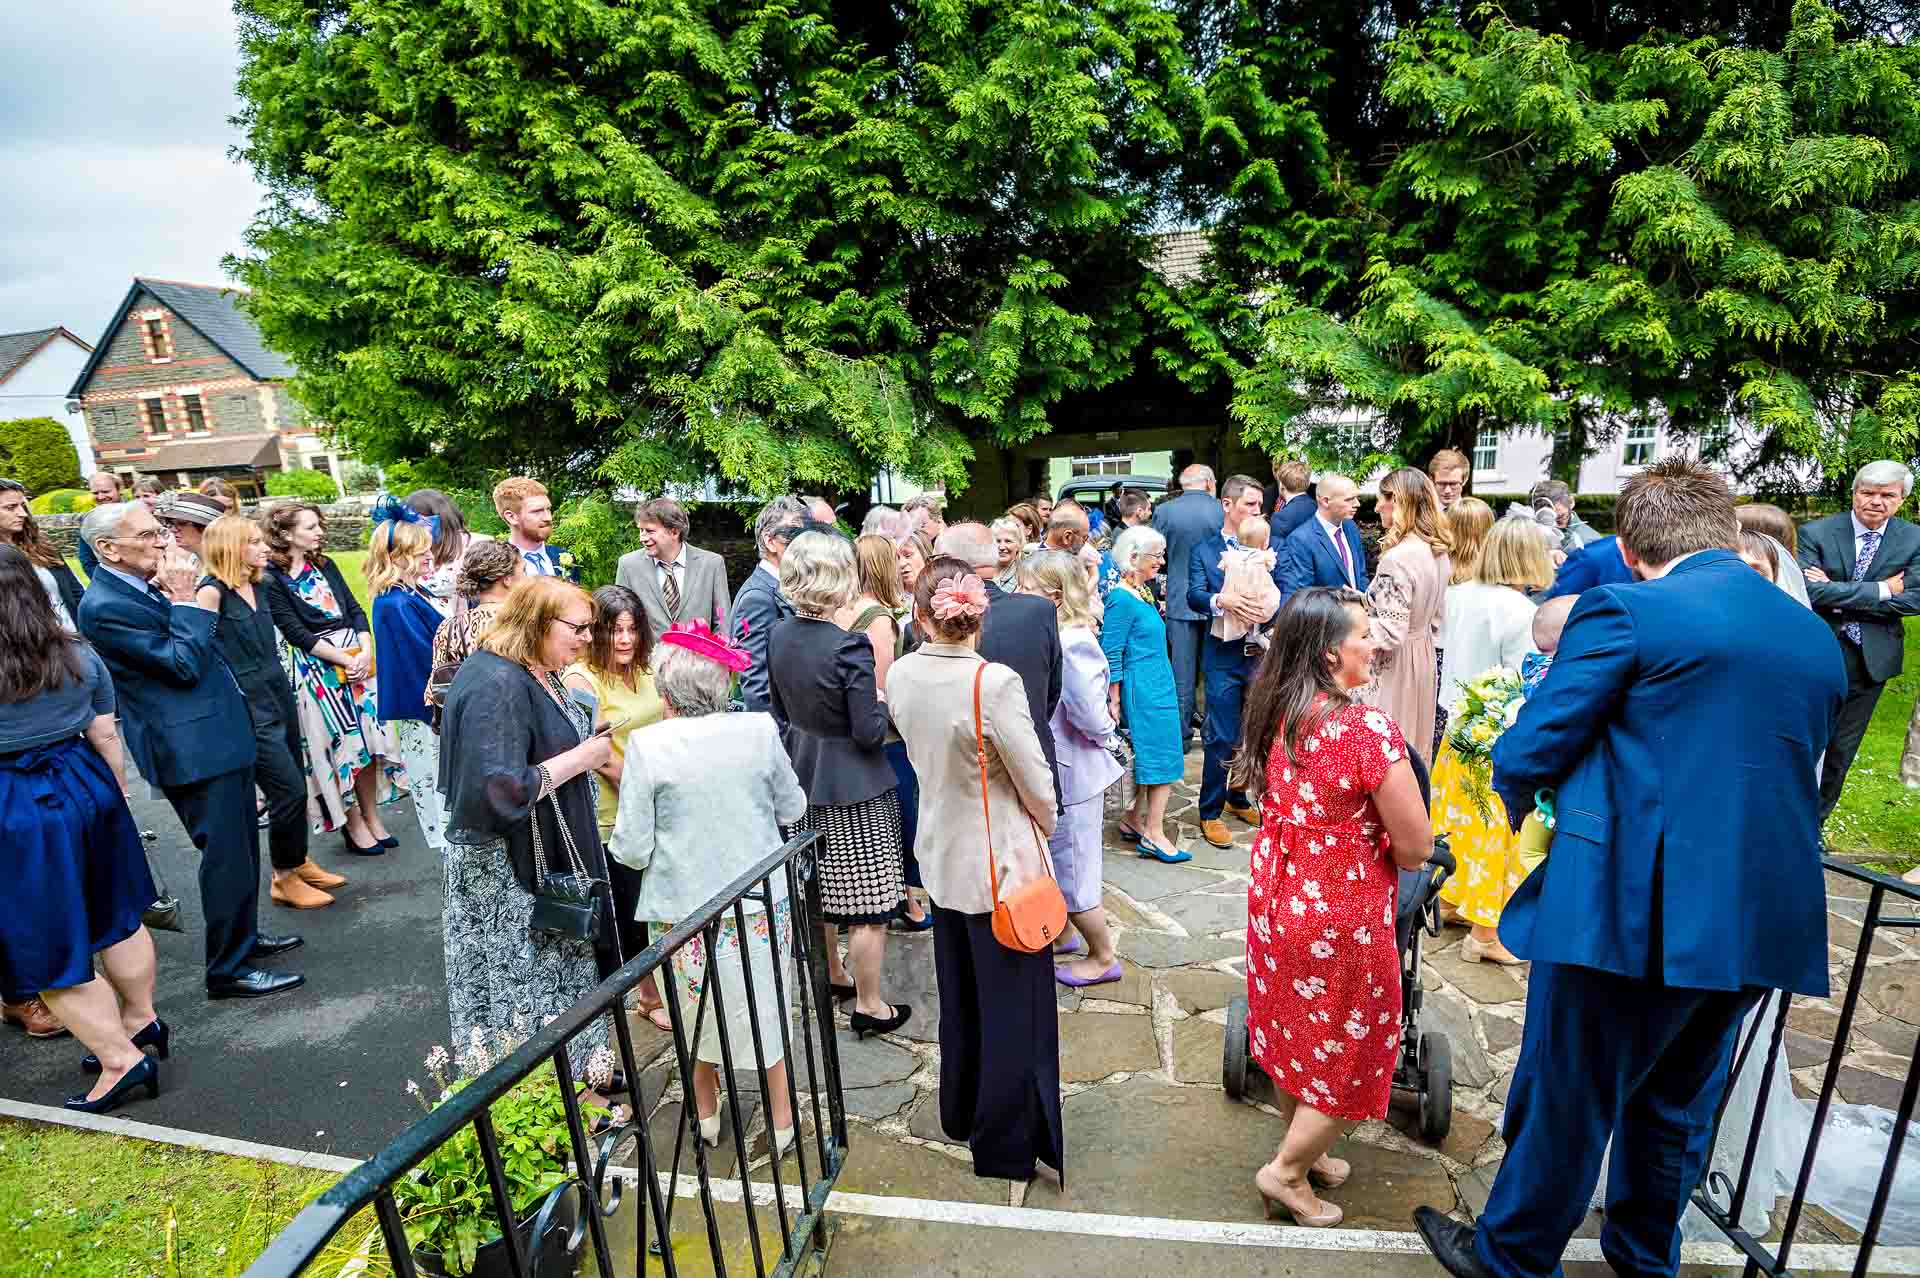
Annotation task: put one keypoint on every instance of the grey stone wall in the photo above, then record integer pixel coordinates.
(347, 527)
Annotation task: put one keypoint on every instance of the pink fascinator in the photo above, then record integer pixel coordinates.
(963, 596)
(697, 636)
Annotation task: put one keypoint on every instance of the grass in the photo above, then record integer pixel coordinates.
(82, 1204)
(1877, 813)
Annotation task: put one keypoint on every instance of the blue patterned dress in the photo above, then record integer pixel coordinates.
(1134, 637)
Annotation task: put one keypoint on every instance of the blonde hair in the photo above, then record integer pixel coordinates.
(223, 549)
(877, 568)
(1254, 531)
(392, 542)
(1059, 574)
(816, 573)
(1469, 520)
(1416, 511)
(529, 609)
(1515, 555)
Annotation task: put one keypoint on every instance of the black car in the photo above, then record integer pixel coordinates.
(1093, 490)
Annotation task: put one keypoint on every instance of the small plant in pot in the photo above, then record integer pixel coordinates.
(446, 1202)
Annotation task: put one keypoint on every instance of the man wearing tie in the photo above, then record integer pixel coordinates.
(1863, 576)
(1326, 550)
(1186, 521)
(528, 512)
(676, 582)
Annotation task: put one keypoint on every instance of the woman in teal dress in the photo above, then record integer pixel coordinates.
(1141, 684)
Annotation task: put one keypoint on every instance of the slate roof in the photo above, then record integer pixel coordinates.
(214, 454)
(212, 310)
(17, 348)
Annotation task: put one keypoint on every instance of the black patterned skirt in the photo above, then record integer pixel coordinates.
(861, 878)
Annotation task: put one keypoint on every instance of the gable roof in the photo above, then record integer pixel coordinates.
(212, 311)
(17, 348)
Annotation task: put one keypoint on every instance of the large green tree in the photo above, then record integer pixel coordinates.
(785, 241)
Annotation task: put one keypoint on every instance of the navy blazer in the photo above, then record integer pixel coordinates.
(1598, 563)
(1205, 580)
(180, 707)
(1298, 510)
(1022, 632)
(404, 624)
(756, 609)
(1185, 522)
(1679, 724)
(1307, 558)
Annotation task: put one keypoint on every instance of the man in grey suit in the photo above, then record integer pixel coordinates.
(1185, 522)
(760, 604)
(676, 582)
(1863, 577)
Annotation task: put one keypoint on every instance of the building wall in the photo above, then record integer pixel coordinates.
(38, 388)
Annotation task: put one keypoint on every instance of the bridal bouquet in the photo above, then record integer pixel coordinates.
(1487, 706)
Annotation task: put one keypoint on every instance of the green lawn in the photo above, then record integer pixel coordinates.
(1877, 813)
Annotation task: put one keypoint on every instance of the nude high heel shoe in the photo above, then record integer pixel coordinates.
(1476, 951)
(1299, 1205)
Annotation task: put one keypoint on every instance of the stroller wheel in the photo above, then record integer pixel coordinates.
(1235, 1050)
(1436, 1087)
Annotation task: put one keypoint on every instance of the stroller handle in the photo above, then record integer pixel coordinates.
(1442, 858)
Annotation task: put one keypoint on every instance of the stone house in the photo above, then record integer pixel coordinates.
(36, 368)
(182, 387)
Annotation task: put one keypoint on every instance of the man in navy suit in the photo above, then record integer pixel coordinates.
(1294, 507)
(187, 729)
(527, 510)
(1598, 563)
(1679, 727)
(1185, 522)
(760, 604)
(1325, 550)
(1227, 664)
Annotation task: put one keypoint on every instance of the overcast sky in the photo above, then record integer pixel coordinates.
(113, 155)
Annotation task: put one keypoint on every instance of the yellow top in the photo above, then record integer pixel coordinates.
(639, 706)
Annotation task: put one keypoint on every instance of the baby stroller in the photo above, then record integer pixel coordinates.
(1425, 1066)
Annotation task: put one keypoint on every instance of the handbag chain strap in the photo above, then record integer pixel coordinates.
(980, 756)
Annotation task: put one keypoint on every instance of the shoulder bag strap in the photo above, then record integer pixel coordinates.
(980, 756)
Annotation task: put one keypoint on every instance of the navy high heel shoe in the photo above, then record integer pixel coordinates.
(155, 1035)
(146, 1074)
(389, 843)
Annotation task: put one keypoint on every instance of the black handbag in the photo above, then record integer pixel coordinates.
(564, 905)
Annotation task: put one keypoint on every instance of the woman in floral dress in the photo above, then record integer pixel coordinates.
(330, 654)
(1340, 809)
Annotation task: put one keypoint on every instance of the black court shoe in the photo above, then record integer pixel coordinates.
(146, 1074)
(862, 1025)
(155, 1035)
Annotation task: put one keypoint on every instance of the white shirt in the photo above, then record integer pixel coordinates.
(679, 561)
(1485, 626)
(1860, 532)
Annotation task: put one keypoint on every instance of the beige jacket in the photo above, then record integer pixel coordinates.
(930, 695)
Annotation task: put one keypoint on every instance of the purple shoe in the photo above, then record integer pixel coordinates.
(1107, 977)
(1078, 946)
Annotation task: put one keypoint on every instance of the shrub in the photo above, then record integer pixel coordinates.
(358, 477)
(307, 485)
(596, 534)
(40, 454)
(62, 501)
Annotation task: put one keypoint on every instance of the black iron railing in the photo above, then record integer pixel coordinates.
(586, 1195)
(1722, 1197)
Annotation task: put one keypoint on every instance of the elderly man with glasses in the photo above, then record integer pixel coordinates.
(186, 729)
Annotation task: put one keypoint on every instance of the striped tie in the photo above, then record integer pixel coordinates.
(671, 588)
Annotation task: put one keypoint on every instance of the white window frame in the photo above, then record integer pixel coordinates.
(1123, 462)
(1637, 436)
(1488, 442)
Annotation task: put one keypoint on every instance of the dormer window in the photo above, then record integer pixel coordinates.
(158, 347)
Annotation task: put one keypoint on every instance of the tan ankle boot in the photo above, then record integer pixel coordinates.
(325, 880)
(292, 890)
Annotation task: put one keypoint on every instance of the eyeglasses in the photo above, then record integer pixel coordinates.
(581, 629)
(152, 536)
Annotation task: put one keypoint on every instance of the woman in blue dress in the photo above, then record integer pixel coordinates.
(1134, 637)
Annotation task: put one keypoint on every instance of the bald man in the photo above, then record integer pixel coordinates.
(1186, 521)
(1326, 550)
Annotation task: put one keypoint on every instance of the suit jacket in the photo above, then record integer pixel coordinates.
(1081, 725)
(1185, 522)
(1828, 545)
(1598, 563)
(1205, 579)
(1298, 510)
(180, 706)
(703, 589)
(930, 695)
(829, 712)
(1023, 633)
(1680, 724)
(756, 609)
(1309, 559)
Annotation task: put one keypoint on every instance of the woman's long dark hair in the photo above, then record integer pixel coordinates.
(277, 527)
(610, 603)
(36, 546)
(37, 653)
(1284, 702)
(450, 536)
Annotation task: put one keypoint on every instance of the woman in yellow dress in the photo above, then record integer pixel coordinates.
(1489, 623)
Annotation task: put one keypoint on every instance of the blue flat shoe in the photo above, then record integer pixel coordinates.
(902, 923)
(1154, 852)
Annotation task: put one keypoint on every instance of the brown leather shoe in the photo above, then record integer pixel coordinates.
(1215, 832)
(1251, 816)
(325, 880)
(34, 1017)
(292, 890)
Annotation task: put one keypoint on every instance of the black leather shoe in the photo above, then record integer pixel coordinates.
(862, 1025)
(254, 982)
(265, 946)
(1450, 1242)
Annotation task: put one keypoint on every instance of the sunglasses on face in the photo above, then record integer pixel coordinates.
(581, 629)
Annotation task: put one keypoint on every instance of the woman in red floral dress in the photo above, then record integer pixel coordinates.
(1340, 808)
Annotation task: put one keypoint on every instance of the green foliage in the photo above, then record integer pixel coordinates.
(358, 477)
(38, 452)
(308, 485)
(62, 501)
(596, 535)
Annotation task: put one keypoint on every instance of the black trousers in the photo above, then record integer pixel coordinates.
(219, 817)
(277, 771)
(1863, 694)
(999, 1049)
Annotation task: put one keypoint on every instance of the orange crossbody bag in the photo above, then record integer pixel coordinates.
(1030, 918)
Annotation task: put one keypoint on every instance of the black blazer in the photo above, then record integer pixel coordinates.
(252, 650)
(829, 711)
(300, 622)
(70, 589)
(1023, 632)
(1828, 545)
(756, 610)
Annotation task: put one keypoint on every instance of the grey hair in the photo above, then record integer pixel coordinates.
(885, 521)
(932, 503)
(692, 684)
(817, 573)
(781, 511)
(1007, 523)
(1129, 546)
(1196, 476)
(1875, 474)
(1554, 490)
(103, 522)
(972, 544)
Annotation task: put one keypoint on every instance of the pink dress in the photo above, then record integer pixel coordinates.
(1323, 976)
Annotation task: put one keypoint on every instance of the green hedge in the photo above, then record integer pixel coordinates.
(62, 501)
(307, 485)
(38, 452)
